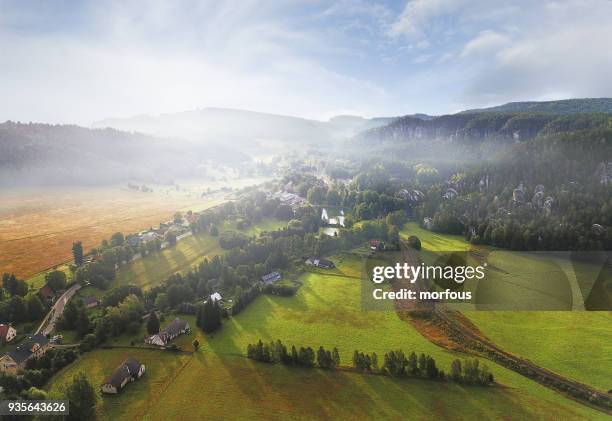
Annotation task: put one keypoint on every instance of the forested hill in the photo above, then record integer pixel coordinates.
(565, 106)
(485, 126)
(35, 154)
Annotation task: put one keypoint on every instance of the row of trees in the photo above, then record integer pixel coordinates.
(277, 352)
(397, 364)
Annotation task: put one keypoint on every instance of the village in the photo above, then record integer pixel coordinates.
(32, 347)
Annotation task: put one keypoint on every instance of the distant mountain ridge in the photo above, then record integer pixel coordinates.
(43, 154)
(564, 106)
(475, 136)
(250, 131)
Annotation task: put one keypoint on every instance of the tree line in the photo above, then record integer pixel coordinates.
(277, 352)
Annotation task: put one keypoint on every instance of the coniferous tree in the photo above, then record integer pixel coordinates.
(77, 253)
(153, 323)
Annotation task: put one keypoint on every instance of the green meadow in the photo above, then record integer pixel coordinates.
(326, 311)
(576, 344)
(233, 387)
(155, 268)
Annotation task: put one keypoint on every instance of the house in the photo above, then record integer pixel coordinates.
(133, 240)
(147, 236)
(128, 371)
(90, 302)
(216, 297)
(175, 328)
(7, 333)
(290, 199)
(271, 278)
(34, 346)
(320, 263)
(47, 293)
(376, 245)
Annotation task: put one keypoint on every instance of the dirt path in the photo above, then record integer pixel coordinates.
(452, 330)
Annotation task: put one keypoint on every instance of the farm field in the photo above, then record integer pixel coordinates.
(38, 226)
(326, 311)
(156, 268)
(576, 344)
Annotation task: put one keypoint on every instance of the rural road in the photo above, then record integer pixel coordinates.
(48, 323)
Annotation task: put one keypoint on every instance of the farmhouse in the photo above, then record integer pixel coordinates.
(376, 245)
(290, 199)
(271, 278)
(128, 371)
(7, 333)
(133, 240)
(320, 263)
(90, 302)
(216, 297)
(47, 293)
(175, 328)
(34, 346)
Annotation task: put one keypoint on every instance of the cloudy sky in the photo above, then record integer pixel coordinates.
(63, 62)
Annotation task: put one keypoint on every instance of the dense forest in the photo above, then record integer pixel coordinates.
(564, 106)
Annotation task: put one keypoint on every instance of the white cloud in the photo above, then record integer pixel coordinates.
(417, 16)
(486, 42)
(162, 58)
(567, 55)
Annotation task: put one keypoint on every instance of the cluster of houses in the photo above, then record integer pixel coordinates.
(34, 346)
(174, 329)
(158, 233)
(128, 371)
(152, 234)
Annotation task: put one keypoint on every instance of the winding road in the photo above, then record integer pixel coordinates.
(48, 323)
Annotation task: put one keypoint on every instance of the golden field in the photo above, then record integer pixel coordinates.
(38, 226)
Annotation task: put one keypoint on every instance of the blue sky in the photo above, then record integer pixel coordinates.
(77, 62)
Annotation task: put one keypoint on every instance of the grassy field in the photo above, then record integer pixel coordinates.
(434, 241)
(576, 344)
(326, 311)
(38, 226)
(156, 268)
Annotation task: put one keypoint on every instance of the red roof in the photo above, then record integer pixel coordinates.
(3, 330)
(46, 292)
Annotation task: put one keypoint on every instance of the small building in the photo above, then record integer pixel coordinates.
(34, 346)
(320, 263)
(7, 333)
(175, 328)
(271, 278)
(376, 245)
(90, 302)
(128, 371)
(47, 293)
(216, 297)
(133, 240)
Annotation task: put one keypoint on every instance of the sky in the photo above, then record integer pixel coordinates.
(79, 62)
